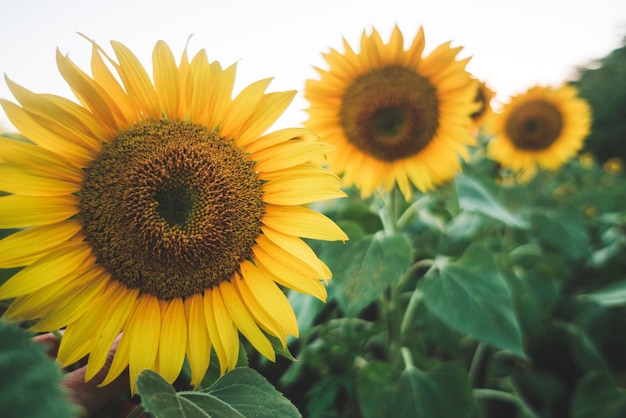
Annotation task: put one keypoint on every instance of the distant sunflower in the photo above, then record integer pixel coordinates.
(484, 96)
(540, 128)
(162, 211)
(395, 117)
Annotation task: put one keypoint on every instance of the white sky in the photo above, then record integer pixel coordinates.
(513, 43)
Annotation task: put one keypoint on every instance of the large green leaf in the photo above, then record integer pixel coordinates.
(443, 392)
(30, 382)
(366, 268)
(474, 197)
(470, 295)
(241, 392)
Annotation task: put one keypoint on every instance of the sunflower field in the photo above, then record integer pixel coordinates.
(415, 249)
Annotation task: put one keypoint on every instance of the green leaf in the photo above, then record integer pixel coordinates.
(443, 392)
(613, 294)
(474, 197)
(563, 230)
(366, 268)
(30, 382)
(374, 386)
(161, 400)
(250, 394)
(597, 396)
(470, 295)
(241, 392)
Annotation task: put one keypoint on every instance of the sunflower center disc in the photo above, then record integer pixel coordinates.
(171, 208)
(534, 126)
(390, 113)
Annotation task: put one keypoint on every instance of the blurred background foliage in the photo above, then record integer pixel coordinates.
(603, 85)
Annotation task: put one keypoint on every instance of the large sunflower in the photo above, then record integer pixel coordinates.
(395, 117)
(542, 127)
(159, 210)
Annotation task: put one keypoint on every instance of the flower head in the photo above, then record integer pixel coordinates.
(395, 116)
(484, 96)
(542, 127)
(160, 209)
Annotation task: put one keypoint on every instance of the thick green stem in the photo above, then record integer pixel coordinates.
(408, 358)
(409, 313)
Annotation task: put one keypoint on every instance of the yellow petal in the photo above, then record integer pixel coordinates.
(139, 344)
(75, 304)
(24, 211)
(173, 339)
(118, 100)
(30, 126)
(166, 79)
(104, 336)
(30, 181)
(30, 155)
(46, 270)
(198, 342)
(277, 137)
(302, 222)
(269, 109)
(218, 345)
(269, 296)
(221, 330)
(299, 249)
(289, 154)
(200, 88)
(298, 190)
(242, 107)
(62, 116)
(286, 276)
(221, 95)
(137, 82)
(41, 302)
(271, 325)
(244, 320)
(79, 336)
(25, 246)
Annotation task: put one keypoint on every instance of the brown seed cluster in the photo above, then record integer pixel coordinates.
(171, 208)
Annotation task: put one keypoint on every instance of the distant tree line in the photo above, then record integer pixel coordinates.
(604, 87)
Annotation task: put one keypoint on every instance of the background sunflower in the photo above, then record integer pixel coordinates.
(395, 116)
(542, 127)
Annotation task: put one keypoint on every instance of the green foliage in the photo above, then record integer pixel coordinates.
(470, 295)
(30, 382)
(478, 299)
(366, 267)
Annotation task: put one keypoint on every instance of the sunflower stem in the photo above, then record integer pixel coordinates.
(408, 358)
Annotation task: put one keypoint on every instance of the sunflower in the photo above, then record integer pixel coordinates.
(540, 128)
(162, 211)
(484, 96)
(395, 116)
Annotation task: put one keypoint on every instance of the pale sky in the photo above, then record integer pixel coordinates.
(513, 44)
